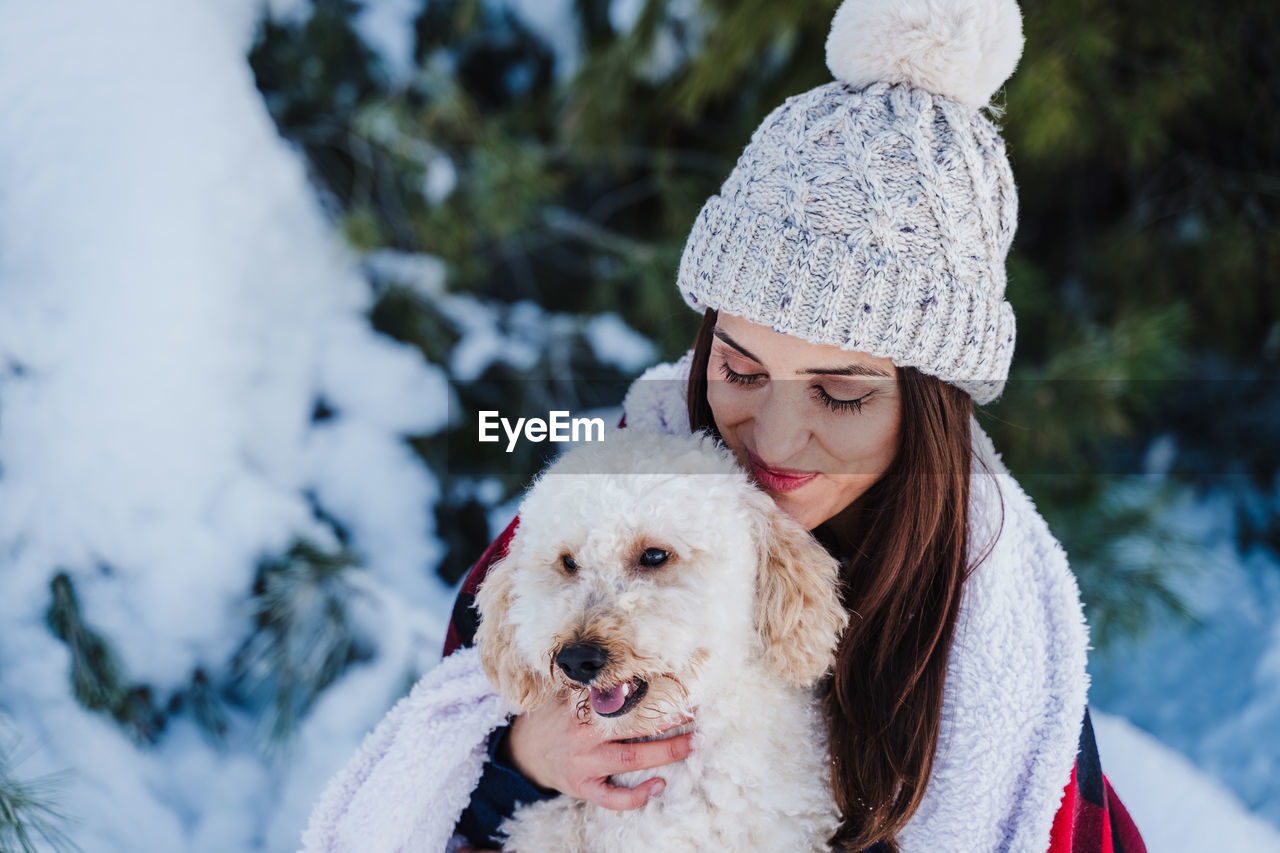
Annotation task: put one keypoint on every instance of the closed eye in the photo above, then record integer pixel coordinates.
(835, 404)
(738, 378)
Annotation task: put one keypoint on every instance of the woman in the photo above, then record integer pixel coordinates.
(884, 454)
(850, 277)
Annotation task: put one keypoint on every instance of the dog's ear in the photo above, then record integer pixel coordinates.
(798, 612)
(510, 673)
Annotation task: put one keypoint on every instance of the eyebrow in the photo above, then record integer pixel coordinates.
(854, 369)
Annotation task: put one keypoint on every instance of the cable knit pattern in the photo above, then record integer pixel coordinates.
(875, 219)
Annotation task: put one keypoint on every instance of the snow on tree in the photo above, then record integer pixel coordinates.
(218, 543)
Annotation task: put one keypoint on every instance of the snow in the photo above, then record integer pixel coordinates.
(555, 24)
(1211, 693)
(614, 342)
(623, 14)
(518, 335)
(386, 26)
(1175, 806)
(440, 179)
(175, 303)
(679, 34)
(423, 274)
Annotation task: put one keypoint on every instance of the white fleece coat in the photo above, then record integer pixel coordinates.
(1013, 702)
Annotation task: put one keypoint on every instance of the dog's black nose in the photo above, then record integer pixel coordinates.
(582, 661)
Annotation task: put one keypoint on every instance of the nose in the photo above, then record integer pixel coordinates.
(582, 661)
(780, 431)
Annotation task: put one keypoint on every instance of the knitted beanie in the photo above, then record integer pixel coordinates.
(874, 213)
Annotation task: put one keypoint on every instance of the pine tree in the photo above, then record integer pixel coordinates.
(28, 807)
(1129, 161)
(303, 639)
(211, 461)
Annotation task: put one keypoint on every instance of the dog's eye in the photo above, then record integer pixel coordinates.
(653, 557)
(570, 564)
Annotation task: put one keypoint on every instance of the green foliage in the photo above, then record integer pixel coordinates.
(303, 638)
(28, 813)
(360, 228)
(751, 45)
(1061, 428)
(97, 676)
(1147, 159)
(1143, 141)
(1146, 165)
(207, 707)
(1065, 415)
(95, 670)
(326, 71)
(1125, 556)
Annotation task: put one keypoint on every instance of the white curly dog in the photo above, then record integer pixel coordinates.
(650, 575)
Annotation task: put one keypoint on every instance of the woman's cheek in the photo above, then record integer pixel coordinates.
(723, 402)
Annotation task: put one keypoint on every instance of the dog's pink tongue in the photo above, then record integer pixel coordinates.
(607, 701)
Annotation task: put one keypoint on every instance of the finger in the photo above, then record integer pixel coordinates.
(620, 757)
(620, 799)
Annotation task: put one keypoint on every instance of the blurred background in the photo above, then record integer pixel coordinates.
(261, 262)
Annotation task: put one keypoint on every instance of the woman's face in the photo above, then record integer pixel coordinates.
(815, 425)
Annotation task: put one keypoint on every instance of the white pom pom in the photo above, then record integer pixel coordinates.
(962, 49)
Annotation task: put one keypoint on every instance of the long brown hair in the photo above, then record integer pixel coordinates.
(905, 542)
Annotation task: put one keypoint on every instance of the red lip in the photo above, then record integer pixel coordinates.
(778, 479)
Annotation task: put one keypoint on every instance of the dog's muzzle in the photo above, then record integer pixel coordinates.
(582, 662)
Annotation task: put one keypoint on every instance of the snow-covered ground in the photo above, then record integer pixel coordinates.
(172, 304)
(1212, 693)
(1175, 806)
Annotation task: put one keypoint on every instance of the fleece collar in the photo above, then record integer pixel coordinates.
(1016, 687)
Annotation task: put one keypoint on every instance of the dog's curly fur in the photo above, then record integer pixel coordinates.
(740, 622)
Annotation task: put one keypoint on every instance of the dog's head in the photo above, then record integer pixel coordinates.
(640, 568)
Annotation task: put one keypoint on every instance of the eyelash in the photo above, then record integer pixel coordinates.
(821, 396)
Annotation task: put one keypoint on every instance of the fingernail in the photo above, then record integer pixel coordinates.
(659, 787)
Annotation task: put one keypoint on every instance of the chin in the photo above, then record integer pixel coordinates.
(800, 510)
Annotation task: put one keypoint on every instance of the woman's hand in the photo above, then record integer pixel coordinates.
(556, 750)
